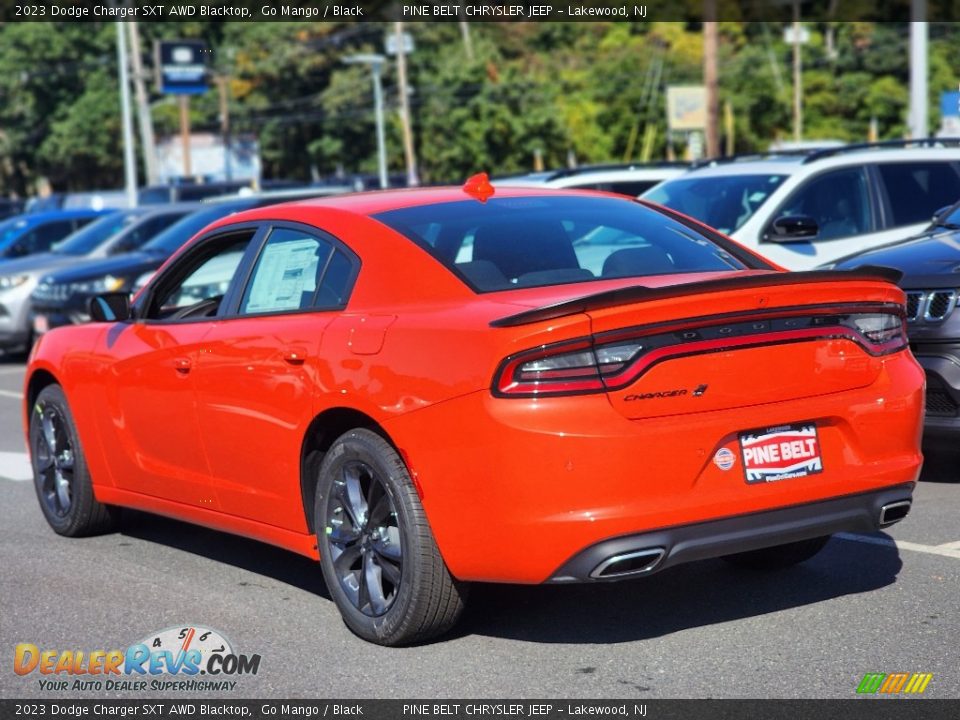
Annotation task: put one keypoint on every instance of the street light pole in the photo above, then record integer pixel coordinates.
(376, 68)
(129, 166)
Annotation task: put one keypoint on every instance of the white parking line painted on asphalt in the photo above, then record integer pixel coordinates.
(11, 394)
(903, 545)
(11, 371)
(15, 466)
(950, 546)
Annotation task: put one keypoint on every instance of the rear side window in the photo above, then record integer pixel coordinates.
(917, 190)
(536, 241)
(336, 282)
(287, 272)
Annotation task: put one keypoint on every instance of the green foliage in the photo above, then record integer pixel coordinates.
(552, 91)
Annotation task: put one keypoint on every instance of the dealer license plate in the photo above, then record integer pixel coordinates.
(783, 452)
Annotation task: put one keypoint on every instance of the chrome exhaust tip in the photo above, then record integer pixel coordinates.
(894, 512)
(628, 564)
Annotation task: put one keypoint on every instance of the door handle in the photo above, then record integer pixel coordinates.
(183, 365)
(295, 355)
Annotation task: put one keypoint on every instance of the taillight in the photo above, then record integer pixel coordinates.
(565, 368)
(616, 359)
(880, 330)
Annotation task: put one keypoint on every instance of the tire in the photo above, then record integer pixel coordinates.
(779, 556)
(377, 552)
(60, 474)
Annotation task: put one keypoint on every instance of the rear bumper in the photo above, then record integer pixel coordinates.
(515, 488)
(650, 552)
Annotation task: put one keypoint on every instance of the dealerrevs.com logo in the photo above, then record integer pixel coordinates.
(189, 658)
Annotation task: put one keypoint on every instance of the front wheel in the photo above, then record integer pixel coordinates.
(779, 556)
(377, 552)
(60, 470)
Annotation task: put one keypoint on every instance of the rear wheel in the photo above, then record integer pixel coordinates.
(378, 556)
(60, 471)
(779, 556)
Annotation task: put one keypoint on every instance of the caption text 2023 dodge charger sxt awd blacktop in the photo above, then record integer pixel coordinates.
(430, 387)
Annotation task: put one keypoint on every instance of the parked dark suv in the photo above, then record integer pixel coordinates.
(930, 263)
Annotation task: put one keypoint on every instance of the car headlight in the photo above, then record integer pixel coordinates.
(106, 284)
(8, 282)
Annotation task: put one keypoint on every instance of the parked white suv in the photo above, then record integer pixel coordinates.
(624, 179)
(804, 209)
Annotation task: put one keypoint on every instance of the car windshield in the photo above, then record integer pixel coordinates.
(722, 202)
(535, 241)
(11, 229)
(171, 239)
(91, 236)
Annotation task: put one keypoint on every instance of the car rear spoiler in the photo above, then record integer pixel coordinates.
(641, 293)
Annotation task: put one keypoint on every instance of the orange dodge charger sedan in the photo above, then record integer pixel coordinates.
(424, 388)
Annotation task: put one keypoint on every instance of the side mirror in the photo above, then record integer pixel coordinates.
(110, 307)
(940, 213)
(793, 228)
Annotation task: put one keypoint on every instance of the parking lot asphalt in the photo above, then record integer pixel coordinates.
(888, 603)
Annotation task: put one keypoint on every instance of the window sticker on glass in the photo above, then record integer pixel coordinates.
(284, 272)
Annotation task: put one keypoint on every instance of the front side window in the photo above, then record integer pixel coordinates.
(839, 201)
(197, 284)
(724, 202)
(917, 190)
(287, 273)
(536, 241)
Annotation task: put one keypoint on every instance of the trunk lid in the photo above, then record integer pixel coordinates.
(738, 342)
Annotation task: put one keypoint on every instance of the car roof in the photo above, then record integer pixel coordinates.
(45, 215)
(597, 173)
(788, 163)
(378, 201)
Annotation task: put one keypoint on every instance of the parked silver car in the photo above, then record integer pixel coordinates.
(113, 234)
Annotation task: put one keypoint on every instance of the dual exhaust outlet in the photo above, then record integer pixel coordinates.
(640, 562)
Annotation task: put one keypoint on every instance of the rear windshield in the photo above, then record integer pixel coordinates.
(535, 241)
(724, 202)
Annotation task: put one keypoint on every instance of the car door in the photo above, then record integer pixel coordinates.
(257, 378)
(149, 391)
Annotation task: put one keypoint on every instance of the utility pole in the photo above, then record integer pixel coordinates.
(710, 77)
(376, 68)
(147, 143)
(467, 41)
(223, 90)
(408, 152)
(184, 102)
(797, 76)
(129, 163)
(919, 124)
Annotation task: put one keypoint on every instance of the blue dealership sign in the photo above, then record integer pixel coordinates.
(949, 104)
(182, 66)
